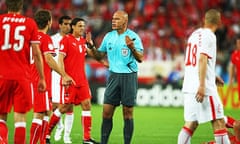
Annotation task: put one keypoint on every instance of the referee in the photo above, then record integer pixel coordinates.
(123, 48)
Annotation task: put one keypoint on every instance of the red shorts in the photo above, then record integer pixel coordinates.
(41, 101)
(74, 95)
(16, 93)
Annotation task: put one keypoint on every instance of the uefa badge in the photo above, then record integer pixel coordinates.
(125, 51)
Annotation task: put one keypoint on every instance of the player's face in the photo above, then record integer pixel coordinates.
(118, 21)
(65, 26)
(79, 28)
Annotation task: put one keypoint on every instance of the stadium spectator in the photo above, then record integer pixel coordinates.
(41, 101)
(17, 34)
(72, 61)
(201, 100)
(64, 28)
(124, 49)
(176, 19)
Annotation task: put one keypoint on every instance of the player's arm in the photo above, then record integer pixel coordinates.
(232, 72)
(138, 55)
(67, 80)
(53, 64)
(37, 56)
(202, 75)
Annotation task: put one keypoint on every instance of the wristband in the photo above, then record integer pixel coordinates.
(90, 46)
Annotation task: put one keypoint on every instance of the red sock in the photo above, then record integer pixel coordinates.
(35, 131)
(3, 132)
(230, 121)
(44, 130)
(20, 133)
(86, 124)
(53, 121)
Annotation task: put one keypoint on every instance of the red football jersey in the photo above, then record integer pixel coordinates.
(235, 57)
(46, 46)
(74, 62)
(16, 34)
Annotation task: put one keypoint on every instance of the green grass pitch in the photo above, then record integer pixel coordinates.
(153, 125)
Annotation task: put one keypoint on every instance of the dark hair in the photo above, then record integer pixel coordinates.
(14, 5)
(42, 17)
(65, 17)
(75, 21)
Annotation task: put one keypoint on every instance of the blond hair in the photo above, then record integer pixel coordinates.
(212, 16)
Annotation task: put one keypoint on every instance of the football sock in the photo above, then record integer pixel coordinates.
(3, 132)
(20, 133)
(184, 137)
(60, 123)
(221, 136)
(53, 121)
(44, 129)
(68, 122)
(237, 131)
(128, 130)
(229, 121)
(106, 129)
(86, 124)
(35, 130)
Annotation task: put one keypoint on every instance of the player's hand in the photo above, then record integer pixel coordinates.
(219, 81)
(41, 85)
(129, 42)
(89, 38)
(67, 80)
(200, 94)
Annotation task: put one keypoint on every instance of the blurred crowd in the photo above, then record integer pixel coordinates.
(163, 25)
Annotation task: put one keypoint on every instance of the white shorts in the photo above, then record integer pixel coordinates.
(210, 109)
(56, 78)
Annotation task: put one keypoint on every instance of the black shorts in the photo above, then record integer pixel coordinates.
(121, 89)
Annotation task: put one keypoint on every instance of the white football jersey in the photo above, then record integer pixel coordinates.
(201, 41)
(56, 38)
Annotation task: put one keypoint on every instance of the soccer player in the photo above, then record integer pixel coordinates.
(41, 101)
(201, 100)
(124, 49)
(234, 70)
(64, 28)
(17, 34)
(72, 54)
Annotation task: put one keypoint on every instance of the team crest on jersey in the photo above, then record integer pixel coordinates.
(124, 51)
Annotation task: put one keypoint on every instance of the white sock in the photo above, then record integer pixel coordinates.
(68, 122)
(60, 123)
(184, 136)
(221, 137)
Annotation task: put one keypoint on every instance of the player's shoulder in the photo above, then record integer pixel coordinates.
(44, 36)
(67, 38)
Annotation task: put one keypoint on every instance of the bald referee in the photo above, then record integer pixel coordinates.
(124, 49)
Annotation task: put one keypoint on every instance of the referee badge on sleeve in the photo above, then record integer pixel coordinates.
(125, 51)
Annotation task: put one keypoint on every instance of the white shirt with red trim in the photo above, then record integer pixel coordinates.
(201, 41)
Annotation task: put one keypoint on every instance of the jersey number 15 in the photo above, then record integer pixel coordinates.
(17, 46)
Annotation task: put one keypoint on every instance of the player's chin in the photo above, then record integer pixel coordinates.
(114, 27)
